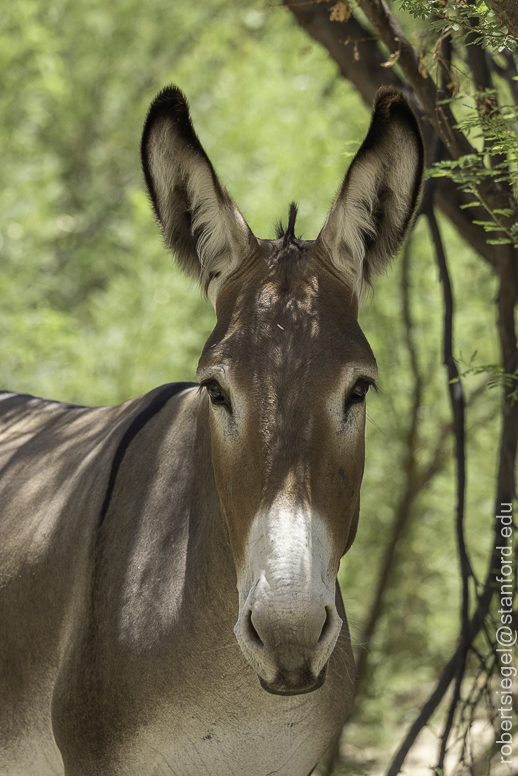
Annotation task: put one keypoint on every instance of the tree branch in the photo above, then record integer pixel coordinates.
(362, 66)
(495, 195)
(457, 404)
(428, 93)
(352, 46)
(507, 12)
(505, 493)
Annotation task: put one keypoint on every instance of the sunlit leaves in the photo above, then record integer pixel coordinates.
(474, 17)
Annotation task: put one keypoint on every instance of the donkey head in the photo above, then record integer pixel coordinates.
(286, 371)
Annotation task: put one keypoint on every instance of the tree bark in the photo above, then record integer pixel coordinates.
(507, 12)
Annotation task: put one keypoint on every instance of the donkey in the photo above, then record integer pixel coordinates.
(168, 591)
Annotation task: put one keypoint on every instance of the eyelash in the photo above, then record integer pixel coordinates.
(362, 386)
(218, 397)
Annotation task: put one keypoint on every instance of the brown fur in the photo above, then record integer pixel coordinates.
(132, 537)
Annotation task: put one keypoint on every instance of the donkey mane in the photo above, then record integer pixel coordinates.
(292, 252)
(288, 236)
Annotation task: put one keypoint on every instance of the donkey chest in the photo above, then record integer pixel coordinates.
(286, 739)
(210, 715)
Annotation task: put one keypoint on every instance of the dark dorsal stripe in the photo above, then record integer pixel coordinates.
(131, 432)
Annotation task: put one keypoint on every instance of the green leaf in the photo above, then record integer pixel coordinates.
(489, 226)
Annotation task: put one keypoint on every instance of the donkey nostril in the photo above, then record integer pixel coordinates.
(251, 631)
(326, 626)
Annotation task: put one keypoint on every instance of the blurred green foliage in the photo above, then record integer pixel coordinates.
(93, 309)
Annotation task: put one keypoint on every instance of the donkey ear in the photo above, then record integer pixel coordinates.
(199, 219)
(378, 197)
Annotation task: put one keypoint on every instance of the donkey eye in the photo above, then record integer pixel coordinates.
(359, 392)
(216, 395)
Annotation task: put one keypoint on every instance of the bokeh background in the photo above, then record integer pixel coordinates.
(93, 310)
